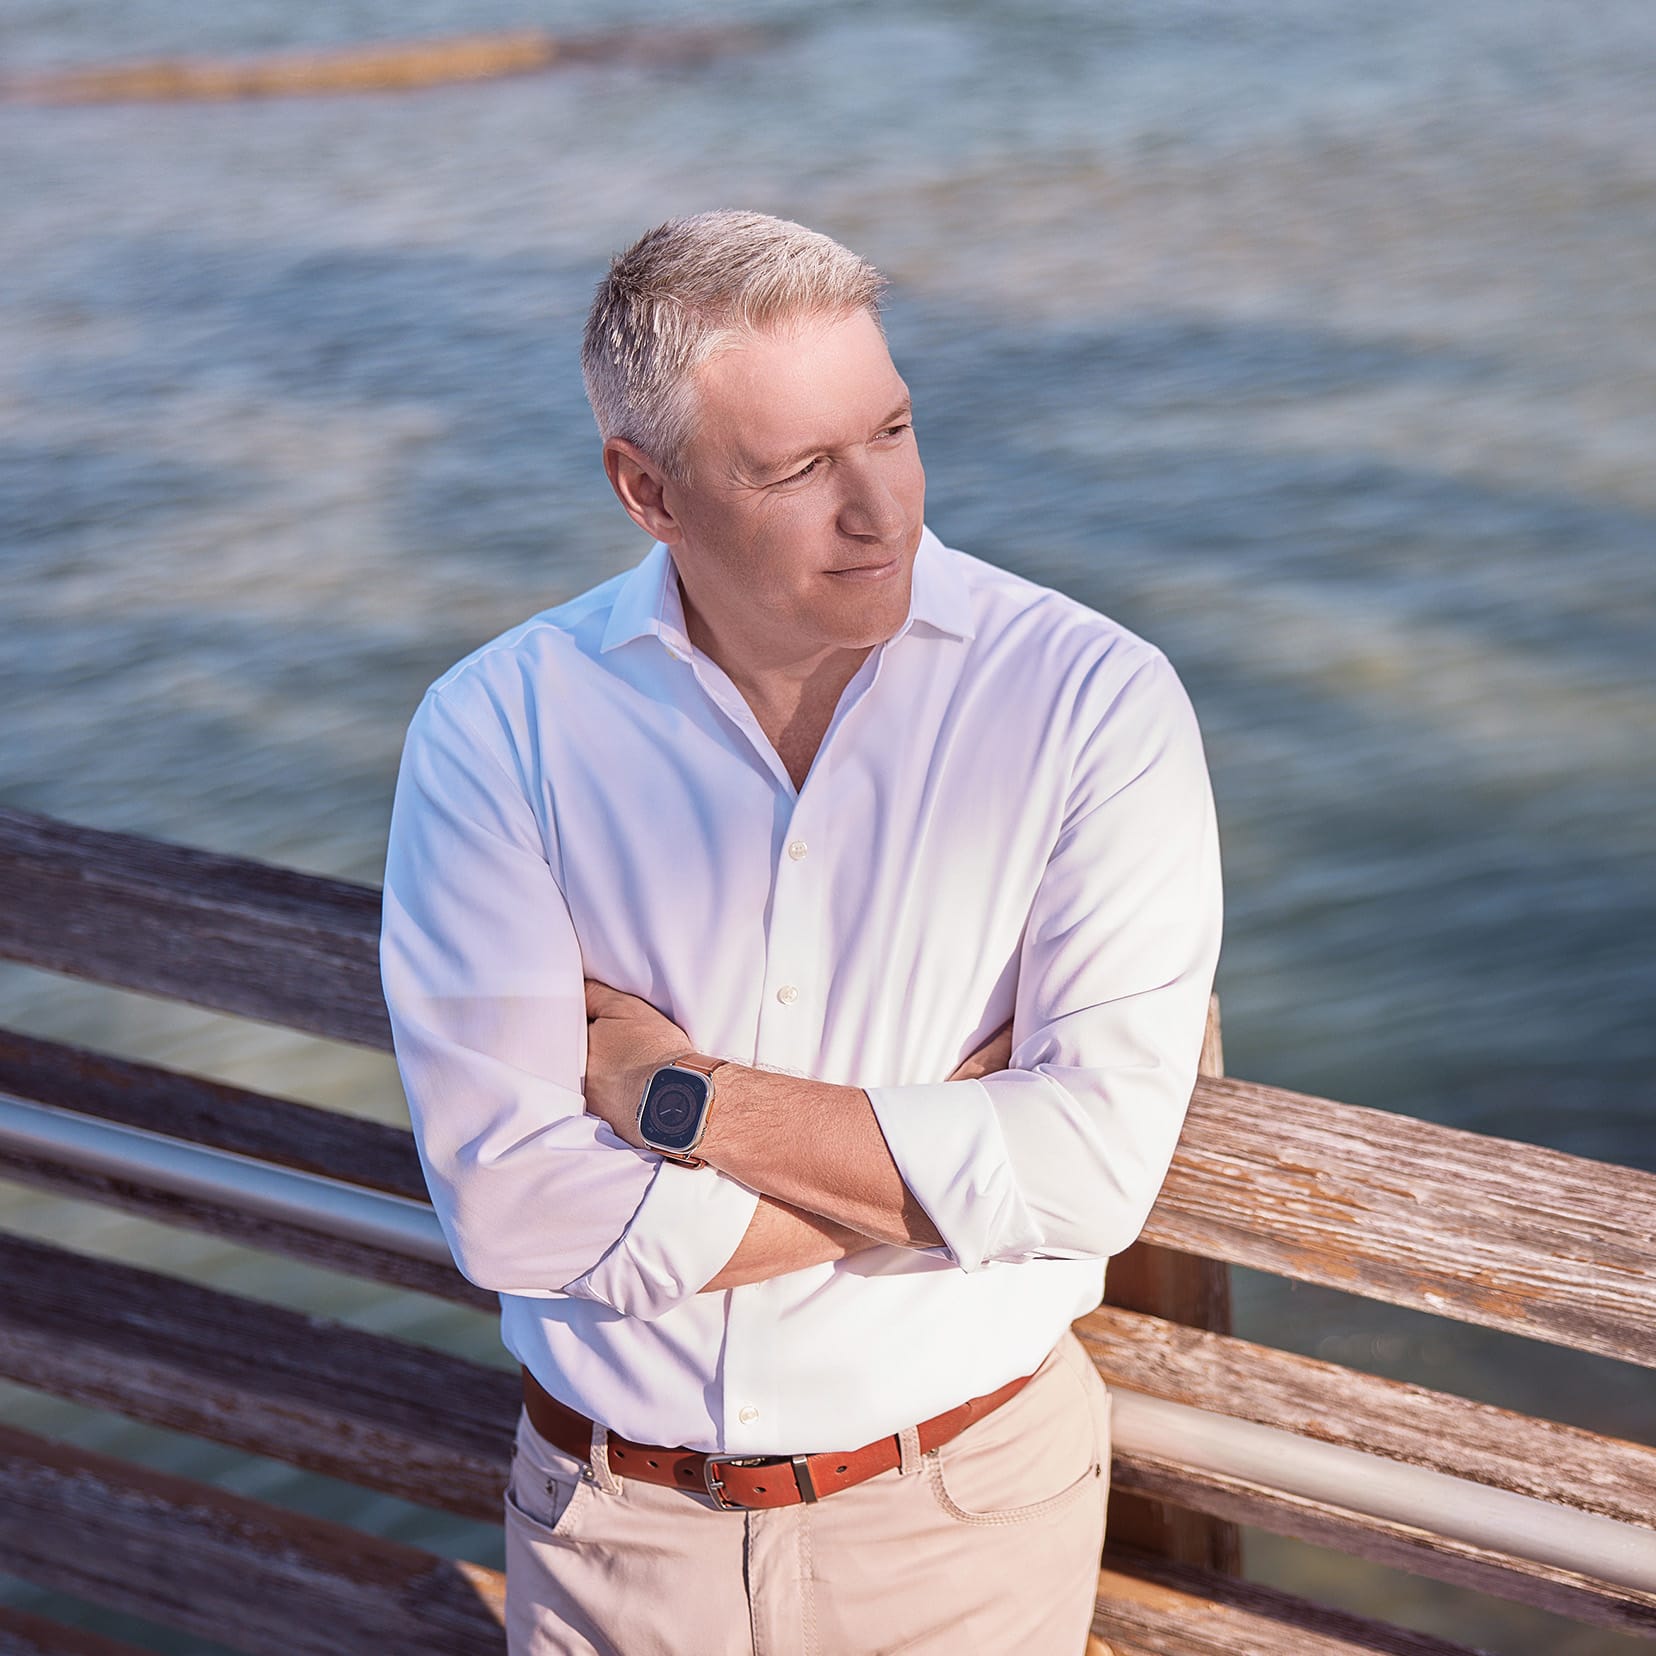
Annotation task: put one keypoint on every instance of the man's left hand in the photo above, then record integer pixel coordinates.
(627, 1041)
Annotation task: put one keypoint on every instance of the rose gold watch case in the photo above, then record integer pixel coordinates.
(703, 1065)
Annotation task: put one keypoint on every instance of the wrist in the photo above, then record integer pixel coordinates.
(629, 1088)
(752, 1123)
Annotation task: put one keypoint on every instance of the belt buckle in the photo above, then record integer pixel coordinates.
(715, 1487)
(715, 1484)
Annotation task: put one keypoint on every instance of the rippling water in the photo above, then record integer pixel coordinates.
(1315, 341)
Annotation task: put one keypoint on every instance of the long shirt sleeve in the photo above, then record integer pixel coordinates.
(483, 977)
(1061, 1155)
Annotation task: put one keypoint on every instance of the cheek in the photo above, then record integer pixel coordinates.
(767, 560)
(916, 478)
(906, 477)
(790, 537)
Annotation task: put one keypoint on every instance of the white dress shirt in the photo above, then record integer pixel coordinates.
(1009, 816)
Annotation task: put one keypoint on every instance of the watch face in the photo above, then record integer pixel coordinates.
(673, 1108)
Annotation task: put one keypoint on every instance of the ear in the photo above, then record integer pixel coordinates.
(640, 485)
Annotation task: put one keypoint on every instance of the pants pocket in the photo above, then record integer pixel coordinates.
(1032, 1458)
(548, 1488)
(1099, 1396)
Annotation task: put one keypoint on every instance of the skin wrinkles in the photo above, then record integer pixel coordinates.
(793, 468)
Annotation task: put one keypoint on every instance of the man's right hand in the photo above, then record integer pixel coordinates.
(989, 1059)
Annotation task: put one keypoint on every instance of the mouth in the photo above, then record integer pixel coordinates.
(868, 571)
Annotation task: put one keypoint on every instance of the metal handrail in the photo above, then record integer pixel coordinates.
(1149, 1428)
(1374, 1486)
(333, 1207)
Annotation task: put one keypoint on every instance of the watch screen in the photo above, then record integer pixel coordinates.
(673, 1108)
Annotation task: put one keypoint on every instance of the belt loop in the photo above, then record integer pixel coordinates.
(908, 1451)
(598, 1462)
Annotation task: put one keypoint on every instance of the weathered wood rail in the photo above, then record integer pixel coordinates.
(1485, 1231)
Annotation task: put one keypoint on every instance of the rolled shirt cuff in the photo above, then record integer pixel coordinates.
(679, 1238)
(946, 1140)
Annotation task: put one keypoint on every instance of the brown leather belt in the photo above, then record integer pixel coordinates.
(750, 1481)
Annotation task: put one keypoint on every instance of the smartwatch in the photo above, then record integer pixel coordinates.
(672, 1117)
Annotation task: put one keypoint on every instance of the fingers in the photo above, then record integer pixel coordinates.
(993, 1056)
(998, 1048)
(603, 1001)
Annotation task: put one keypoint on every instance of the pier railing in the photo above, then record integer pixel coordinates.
(1211, 1431)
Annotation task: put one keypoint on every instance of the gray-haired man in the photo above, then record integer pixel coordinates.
(798, 949)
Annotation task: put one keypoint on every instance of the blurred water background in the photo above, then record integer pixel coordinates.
(1315, 341)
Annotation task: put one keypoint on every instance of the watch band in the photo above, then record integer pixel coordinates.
(699, 1062)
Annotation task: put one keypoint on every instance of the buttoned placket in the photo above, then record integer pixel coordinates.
(788, 1032)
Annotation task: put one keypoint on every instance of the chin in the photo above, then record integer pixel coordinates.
(869, 619)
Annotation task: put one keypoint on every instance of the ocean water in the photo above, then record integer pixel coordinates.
(1315, 342)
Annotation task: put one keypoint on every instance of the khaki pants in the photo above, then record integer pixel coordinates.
(988, 1546)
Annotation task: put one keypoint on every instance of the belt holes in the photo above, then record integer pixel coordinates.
(839, 1469)
(760, 1488)
(620, 1454)
(653, 1463)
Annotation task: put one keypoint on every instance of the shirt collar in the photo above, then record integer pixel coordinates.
(939, 596)
(648, 600)
(641, 603)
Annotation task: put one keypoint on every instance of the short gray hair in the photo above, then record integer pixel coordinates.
(688, 289)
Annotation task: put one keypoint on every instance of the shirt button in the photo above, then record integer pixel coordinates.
(797, 850)
(787, 994)
(748, 1415)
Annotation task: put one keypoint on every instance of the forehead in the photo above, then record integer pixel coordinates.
(814, 383)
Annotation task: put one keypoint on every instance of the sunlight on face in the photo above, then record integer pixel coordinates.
(802, 498)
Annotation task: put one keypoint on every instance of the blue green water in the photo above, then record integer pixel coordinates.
(1316, 342)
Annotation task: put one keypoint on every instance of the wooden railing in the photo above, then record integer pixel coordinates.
(1478, 1229)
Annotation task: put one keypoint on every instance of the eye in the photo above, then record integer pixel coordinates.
(803, 472)
(896, 430)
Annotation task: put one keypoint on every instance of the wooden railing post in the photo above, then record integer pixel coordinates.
(1183, 1288)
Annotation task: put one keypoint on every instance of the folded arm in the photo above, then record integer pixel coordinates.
(528, 1150)
(831, 1131)
(537, 1195)
(483, 979)
(1062, 1154)
(781, 1238)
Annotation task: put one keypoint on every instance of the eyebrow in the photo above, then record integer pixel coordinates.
(790, 463)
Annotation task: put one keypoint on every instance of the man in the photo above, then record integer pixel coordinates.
(710, 894)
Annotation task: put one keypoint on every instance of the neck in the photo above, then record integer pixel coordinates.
(792, 694)
(776, 681)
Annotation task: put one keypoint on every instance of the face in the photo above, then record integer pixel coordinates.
(799, 507)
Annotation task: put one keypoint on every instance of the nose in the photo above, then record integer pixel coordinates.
(871, 507)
